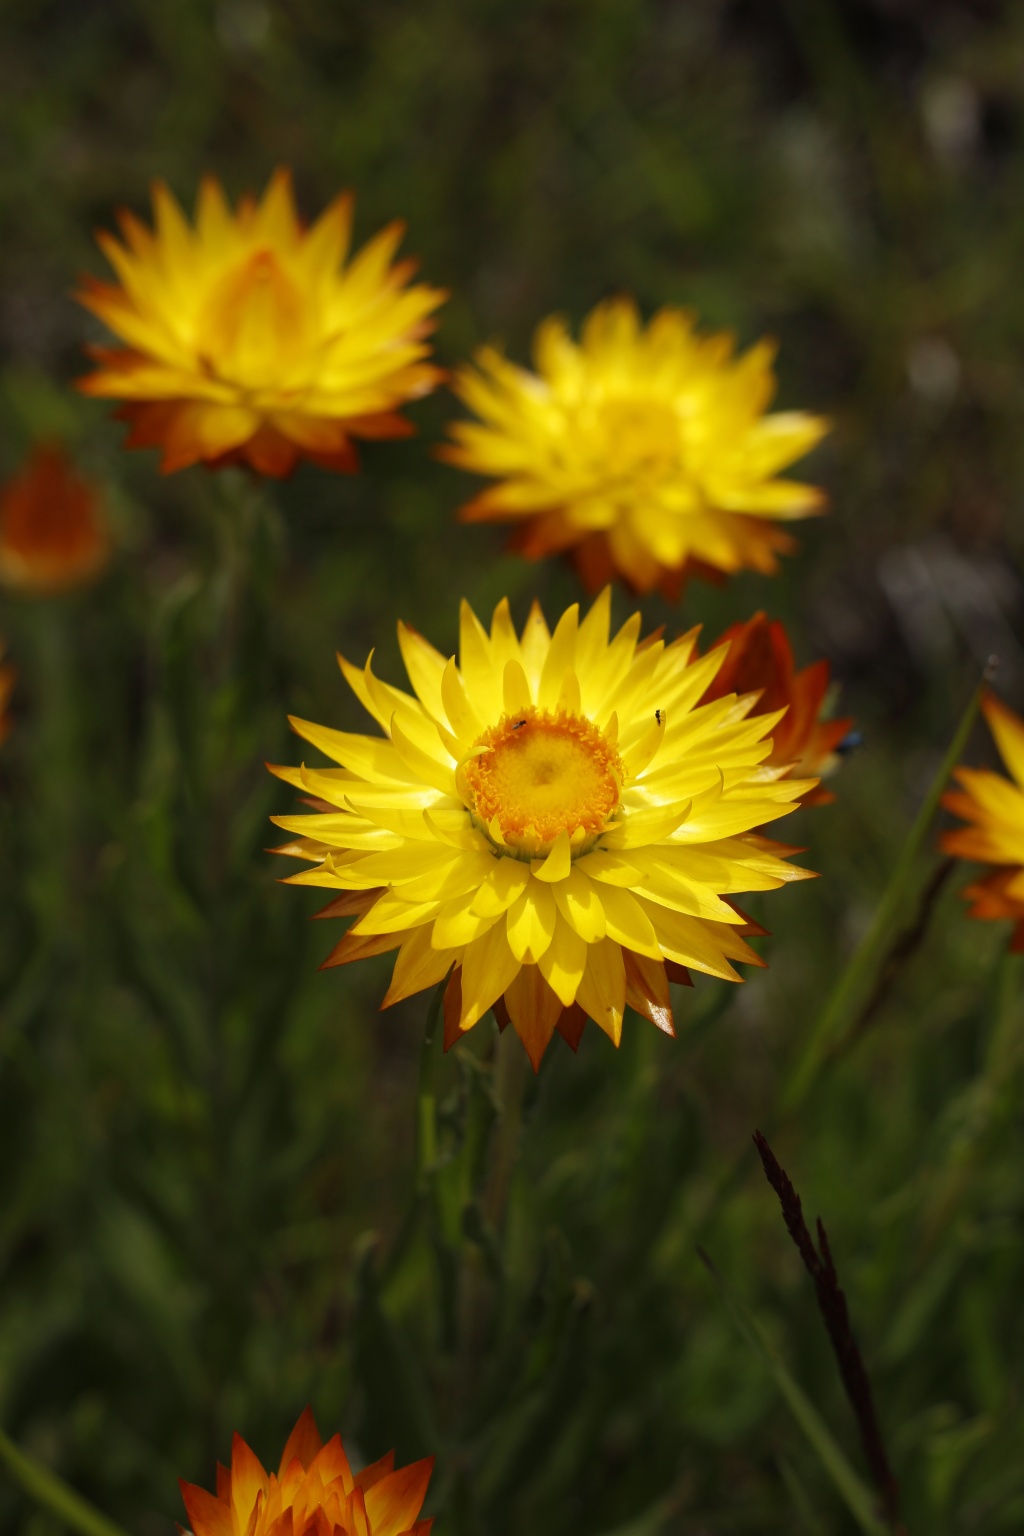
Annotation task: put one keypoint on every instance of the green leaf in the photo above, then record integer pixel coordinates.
(854, 1492)
(854, 980)
(52, 1493)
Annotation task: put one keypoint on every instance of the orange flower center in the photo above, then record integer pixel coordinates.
(538, 775)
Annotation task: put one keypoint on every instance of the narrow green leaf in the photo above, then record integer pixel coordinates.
(852, 983)
(653, 1520)
(52, 1493)
(855, 1493)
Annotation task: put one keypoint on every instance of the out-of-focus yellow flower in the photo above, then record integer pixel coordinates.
(760, 661)
(313, 1494)
(7, 676)
(645, 452)
(556, 820)
(52, 532)
(249, 339)
(994, 808)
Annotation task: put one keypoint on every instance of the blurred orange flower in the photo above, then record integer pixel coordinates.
(994, 808)
(642, 452)
(313, 1494)
(760, 660)
(248, 338)
(7, 676)
(52, 532)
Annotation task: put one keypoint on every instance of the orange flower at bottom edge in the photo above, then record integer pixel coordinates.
(7, 676)
(314, 1492)
(52, 533)
(994, 808)
(760, 660)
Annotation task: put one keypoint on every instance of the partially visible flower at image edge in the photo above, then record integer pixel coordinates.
(760, 660)
(53, 533)
(7, 680)
(556, 820)
(994, 808)
(314, 1492)
(249, 340)
(642, 452)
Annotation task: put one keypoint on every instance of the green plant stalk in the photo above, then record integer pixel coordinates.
(854, 1492)
(426, 1093)
(855, 978)
(52, 1493)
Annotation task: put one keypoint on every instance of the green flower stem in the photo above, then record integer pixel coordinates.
(49, 1491)
(834, 1025)
(852, 984)
(856, 1495)
(511, 1069)
(426, 1093)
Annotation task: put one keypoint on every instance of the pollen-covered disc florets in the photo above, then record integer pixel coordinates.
(536, 775)
(250, 338)
(554, 821)
(646, 452)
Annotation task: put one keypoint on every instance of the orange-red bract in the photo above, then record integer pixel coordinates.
(52, 531)
(760, 660)
(314, 1493)
(993, 807)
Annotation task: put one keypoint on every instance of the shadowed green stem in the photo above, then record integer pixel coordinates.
(52, 1493)
(834, 1026)
(852, 984)
(854, 1492)
(426, 1093)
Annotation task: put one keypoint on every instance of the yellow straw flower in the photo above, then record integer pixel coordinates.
(555, 819)
(645, 452)
(994, 808)
(248, 338)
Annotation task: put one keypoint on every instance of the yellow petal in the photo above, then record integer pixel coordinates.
(488, 968)
(563, 962)
(531, 922)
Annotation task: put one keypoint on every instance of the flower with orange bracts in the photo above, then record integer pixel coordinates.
(248, 338)
(554, 821)
(993, 807)
(52, 531)
(641, 452)
(314, 1493)
(7, 676)
(759, 661)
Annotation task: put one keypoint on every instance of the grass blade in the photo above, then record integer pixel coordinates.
(855, 1494)
(51, 1492)
(853, 982)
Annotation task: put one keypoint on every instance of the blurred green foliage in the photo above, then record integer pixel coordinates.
(206, 1147)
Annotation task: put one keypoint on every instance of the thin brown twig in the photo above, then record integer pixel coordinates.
(836, 1317)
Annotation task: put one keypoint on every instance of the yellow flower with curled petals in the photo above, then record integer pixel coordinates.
(555, 819)
(249, 339)
(993, 807)
(644, 452)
